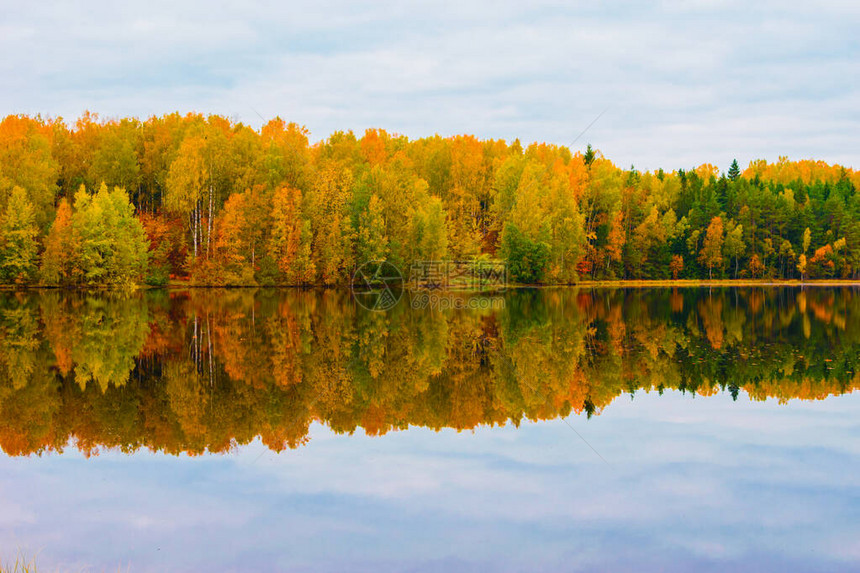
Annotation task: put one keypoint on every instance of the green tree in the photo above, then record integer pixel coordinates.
(786, 257)
(734, 171)
(589, 155)
(428, 234)
(113, 244)
(18, 232)
(734, 245)
(527, 259)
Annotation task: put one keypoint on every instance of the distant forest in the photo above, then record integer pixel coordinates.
(204, 200)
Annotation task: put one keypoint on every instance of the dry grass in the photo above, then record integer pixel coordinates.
(20, 565)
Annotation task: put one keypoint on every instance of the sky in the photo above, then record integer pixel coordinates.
(688, 484)
(669, 84)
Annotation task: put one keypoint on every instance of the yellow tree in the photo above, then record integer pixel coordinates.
(676, 266)
(26, 162)
(291, 237)
(185, 184)
(231, 243)
(711, 254)
(567, 238)
(372, 240)
(288, 157)
(58, 260)
(616, 239)
(114, 160)
(428, 233)
(801, 266)
(469, 190)
(756, 267)
(333, 233)
(240, 232)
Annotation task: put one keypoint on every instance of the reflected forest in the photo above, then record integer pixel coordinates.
(206, 370)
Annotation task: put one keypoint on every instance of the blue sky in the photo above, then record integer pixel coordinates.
(681, 83)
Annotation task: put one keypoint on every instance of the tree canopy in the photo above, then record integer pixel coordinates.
(221, 203)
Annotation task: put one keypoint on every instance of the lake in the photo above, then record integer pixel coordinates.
(535, 429)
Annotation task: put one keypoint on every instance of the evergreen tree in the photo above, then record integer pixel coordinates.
(734, 171)
(588, 156)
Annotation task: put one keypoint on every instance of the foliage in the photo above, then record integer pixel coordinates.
(100, 243)
(222, 203)
(711, 254)
(527, 258)
(18, 232)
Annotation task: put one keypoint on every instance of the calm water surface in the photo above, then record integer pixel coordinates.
(563, 430)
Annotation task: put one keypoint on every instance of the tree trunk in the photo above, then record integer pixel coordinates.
(209, 223)
(194, 231)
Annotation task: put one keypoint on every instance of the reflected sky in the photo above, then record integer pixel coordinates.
(702, 483)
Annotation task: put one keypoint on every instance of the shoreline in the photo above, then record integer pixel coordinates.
(644, 283)
(694, 283)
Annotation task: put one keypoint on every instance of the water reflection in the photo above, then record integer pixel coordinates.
(203, 370)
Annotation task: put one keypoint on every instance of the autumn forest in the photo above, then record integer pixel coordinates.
(204, 200)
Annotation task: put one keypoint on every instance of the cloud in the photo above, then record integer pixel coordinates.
(683, 83)
(695, 484)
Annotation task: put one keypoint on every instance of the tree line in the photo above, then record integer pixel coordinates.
(204, 369)
(209, 201)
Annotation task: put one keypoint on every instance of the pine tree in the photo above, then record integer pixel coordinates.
(734, 171)
(589, 155)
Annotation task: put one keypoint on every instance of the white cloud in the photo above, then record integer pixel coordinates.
(684, 83)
